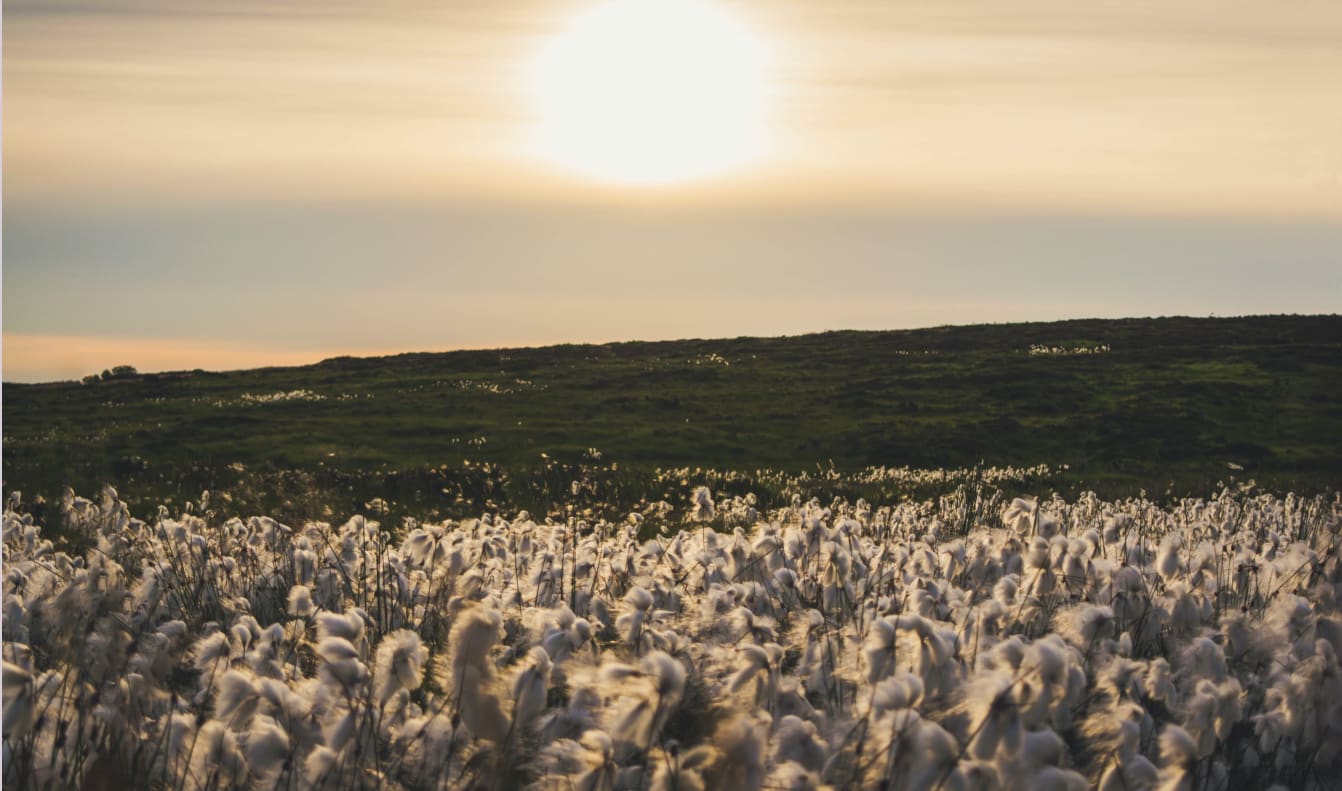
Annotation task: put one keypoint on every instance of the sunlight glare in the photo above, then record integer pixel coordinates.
(650, 92)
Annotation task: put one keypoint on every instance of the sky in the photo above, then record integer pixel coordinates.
(229, 184)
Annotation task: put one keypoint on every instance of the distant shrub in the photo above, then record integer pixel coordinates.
(118, 372)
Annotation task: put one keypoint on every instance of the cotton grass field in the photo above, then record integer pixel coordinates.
(972, 641)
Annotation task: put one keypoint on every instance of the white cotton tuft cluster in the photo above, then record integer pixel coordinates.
(399, 664)
(997, 642)
(300, 602)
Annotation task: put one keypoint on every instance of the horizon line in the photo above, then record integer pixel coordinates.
(292, 358)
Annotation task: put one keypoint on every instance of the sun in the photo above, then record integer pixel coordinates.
(650, 92)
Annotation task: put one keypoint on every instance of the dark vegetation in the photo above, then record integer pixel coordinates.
(117, 372)
(1171, 405)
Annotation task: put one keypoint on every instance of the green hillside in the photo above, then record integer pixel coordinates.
(1162, 404)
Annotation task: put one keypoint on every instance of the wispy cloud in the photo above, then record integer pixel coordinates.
(1177, 104)
(211, 8)
(353, 175)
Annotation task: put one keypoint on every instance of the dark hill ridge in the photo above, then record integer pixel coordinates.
(1324, 331)
(1126, 403)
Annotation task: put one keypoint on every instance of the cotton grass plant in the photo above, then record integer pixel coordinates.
(973, 642)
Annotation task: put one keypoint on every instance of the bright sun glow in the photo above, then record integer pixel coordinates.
(651, 91)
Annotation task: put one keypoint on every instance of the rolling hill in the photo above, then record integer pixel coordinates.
(1167, 404)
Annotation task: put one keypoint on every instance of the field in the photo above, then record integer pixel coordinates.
(1166, 405)
(969, 643)
(1093, 554)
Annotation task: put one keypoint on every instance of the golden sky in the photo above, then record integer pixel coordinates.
(283, 153)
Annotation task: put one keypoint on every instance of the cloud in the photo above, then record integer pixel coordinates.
(1167, 105)
(170, 175)
(197, 8)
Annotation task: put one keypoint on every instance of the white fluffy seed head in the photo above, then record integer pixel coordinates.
(1178, 757)
(319, 765)
(210, 650)
(335, 649)
(300, 601)
(267, 746)
(668, 675)
(473, 635)
(399, 664)
(237, 698)
(902, 691)
(348, 626)
(639, 599)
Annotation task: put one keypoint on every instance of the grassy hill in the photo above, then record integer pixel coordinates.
(1164, 404)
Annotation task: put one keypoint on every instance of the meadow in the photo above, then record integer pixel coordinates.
(1094, 554)
(978, 641)
(1171, 406)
